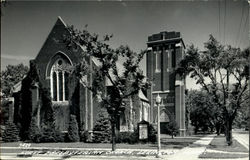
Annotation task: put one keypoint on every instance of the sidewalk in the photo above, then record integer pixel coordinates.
(242, 138)
(192, 152)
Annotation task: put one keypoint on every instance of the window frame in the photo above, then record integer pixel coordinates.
(61, 87)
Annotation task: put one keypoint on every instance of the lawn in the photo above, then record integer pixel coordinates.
(166, 143)
(213, 155)
(222, 150)
(219, 143)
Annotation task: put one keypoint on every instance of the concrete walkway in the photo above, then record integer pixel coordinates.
(242, 138)
(192, 152)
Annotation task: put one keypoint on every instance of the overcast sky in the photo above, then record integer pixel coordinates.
(26, 25)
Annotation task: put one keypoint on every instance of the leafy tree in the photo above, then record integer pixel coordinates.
(203, 112)
(11, 76)
(125, 82)
(3, 4)
(213, 69)
(73, 131)
(242, 117)
(11, 133)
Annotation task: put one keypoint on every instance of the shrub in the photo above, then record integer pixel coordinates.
(132, 137)
(11, 133)
(123, 137)
(102, 129)
(73, 132)
(172, 128)
(152, 134)
(84, 136)
(35, 133)
(127, 137)
(51, 134)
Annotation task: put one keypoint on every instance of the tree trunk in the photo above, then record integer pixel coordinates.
(195, 129)
(113, 136)
(228, 132)
(218, 128)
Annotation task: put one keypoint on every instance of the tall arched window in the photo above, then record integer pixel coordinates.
(59, 81)
(54, 86)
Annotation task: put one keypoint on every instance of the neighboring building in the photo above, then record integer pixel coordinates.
(165, 50)
(68, 95)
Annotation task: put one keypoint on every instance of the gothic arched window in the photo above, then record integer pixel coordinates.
(59, 81)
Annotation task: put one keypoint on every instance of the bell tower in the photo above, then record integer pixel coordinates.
(165, 50)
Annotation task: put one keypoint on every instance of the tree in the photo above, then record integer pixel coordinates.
(102, 128)
(11, 76)
(35, 133)
(3, 4)
(73, 131)
(213, 69)
(242, 117)
(203, 112)
(28, 82)
(125, 82)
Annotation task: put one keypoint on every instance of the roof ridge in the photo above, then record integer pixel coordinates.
(60, 18)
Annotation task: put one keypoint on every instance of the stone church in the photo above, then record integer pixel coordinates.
(68, 95)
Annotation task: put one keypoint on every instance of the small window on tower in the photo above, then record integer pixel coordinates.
(170, 59)
(158, 61)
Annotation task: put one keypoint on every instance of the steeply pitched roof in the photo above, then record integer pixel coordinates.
(60, 20)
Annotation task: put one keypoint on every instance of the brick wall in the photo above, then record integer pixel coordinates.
(164, 82)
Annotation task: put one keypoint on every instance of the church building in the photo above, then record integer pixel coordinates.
(68, 95)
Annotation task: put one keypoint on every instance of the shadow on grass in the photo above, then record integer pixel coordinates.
(219, 143)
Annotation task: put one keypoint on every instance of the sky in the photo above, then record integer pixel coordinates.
(25, 25)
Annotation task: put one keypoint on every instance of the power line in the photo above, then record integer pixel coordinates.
(245, 27)
(238, 35)
(219, 19)
(225, 21)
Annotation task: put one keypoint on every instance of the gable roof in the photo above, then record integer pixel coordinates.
(52, 46)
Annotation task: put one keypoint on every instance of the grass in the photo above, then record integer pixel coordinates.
(219, 144)
(215, 155)
(179, 142)
(166, 143)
